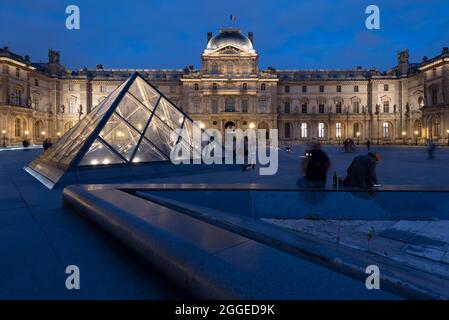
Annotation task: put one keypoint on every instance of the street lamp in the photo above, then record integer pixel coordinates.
(26, 134)
(403, 137)
(4, 138)
(58, 134)
(252, 125)
(358, 137)
(416, 137)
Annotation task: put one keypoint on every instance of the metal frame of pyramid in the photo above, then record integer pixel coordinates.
(133, 126)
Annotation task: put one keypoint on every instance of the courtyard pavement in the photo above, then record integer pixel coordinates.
(39, 238)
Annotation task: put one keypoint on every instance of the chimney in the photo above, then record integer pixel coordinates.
(251, 37)
(209, 36)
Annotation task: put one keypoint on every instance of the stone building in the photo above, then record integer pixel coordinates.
(404, 105)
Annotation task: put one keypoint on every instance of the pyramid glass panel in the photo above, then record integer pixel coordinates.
(120, 136)
(99, 154)
(146, 152)
(161, 136)
(133, 112)
(144, 93)
(169, 114)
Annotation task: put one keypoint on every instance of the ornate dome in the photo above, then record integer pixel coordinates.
(230, 37)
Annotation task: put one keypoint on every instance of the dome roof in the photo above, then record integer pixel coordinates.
(230, 37)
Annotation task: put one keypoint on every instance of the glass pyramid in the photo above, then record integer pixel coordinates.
(134, 124)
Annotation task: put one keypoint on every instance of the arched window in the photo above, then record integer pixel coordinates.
(304, 130)
(321, 129)
(338, 130)
(245, 68)
(287, 130)
(68, 126)
(72, 105)
(386, 130)
(356, 106)
(229, 105)
(17, 127)
(215, 68)
(436, 127)
(229, 68)
(418, 127)
(38, 126)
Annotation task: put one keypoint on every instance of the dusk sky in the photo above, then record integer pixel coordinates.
(288, 34)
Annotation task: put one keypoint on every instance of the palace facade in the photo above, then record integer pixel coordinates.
(404, 105)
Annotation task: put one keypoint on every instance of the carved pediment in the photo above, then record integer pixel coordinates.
(229, 50)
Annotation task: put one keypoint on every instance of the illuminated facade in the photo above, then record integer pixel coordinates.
(405, 104)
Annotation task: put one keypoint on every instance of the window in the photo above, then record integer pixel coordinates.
(70, 86)
(304, 89)
(172, 89)
(386, 106)
(434, 72)
(17, 127)
(214, 86)
(434, 96)
(18, 96)
(196, 105)
(68, 126)
(245, 68)
(304, 108)
(356, 88)
(321, 88)
(338, 130)
(338, 108)
(72, 105)
(36, 82)
(102, 89)
(245, 105)
(229, 105)
(386, 87)
(229, 68)
(386, 130)
(196, 87)
(287, 130)
(215, 68)
(436, 127)
(245, 87)
(263, 87)
(338, 88)
(303, 130)
(263, 106)
(17, 72)
(38, 129)
(214, 105)
(421, 102)
(356, 130)
(356, 107)
(320, 130)
(287, 107)
(287, 89)
(321, 108)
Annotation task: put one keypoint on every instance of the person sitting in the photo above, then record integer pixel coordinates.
(314, 167)
(362, 171)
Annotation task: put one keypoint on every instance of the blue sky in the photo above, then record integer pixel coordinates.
(288, 34)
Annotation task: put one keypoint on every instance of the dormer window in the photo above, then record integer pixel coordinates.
(245, 87)
(214, 86)
(196, 87)
(263, 87)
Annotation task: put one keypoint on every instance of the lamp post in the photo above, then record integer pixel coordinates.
(58, 134)
(4, 138)
(26, 134)
(358, 138)
(416, 137)
(403, 137)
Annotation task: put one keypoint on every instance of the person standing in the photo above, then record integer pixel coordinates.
(368, 144)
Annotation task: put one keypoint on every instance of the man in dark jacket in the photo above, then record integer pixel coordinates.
(362, 171)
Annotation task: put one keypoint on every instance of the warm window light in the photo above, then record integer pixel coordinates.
(252, 125)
